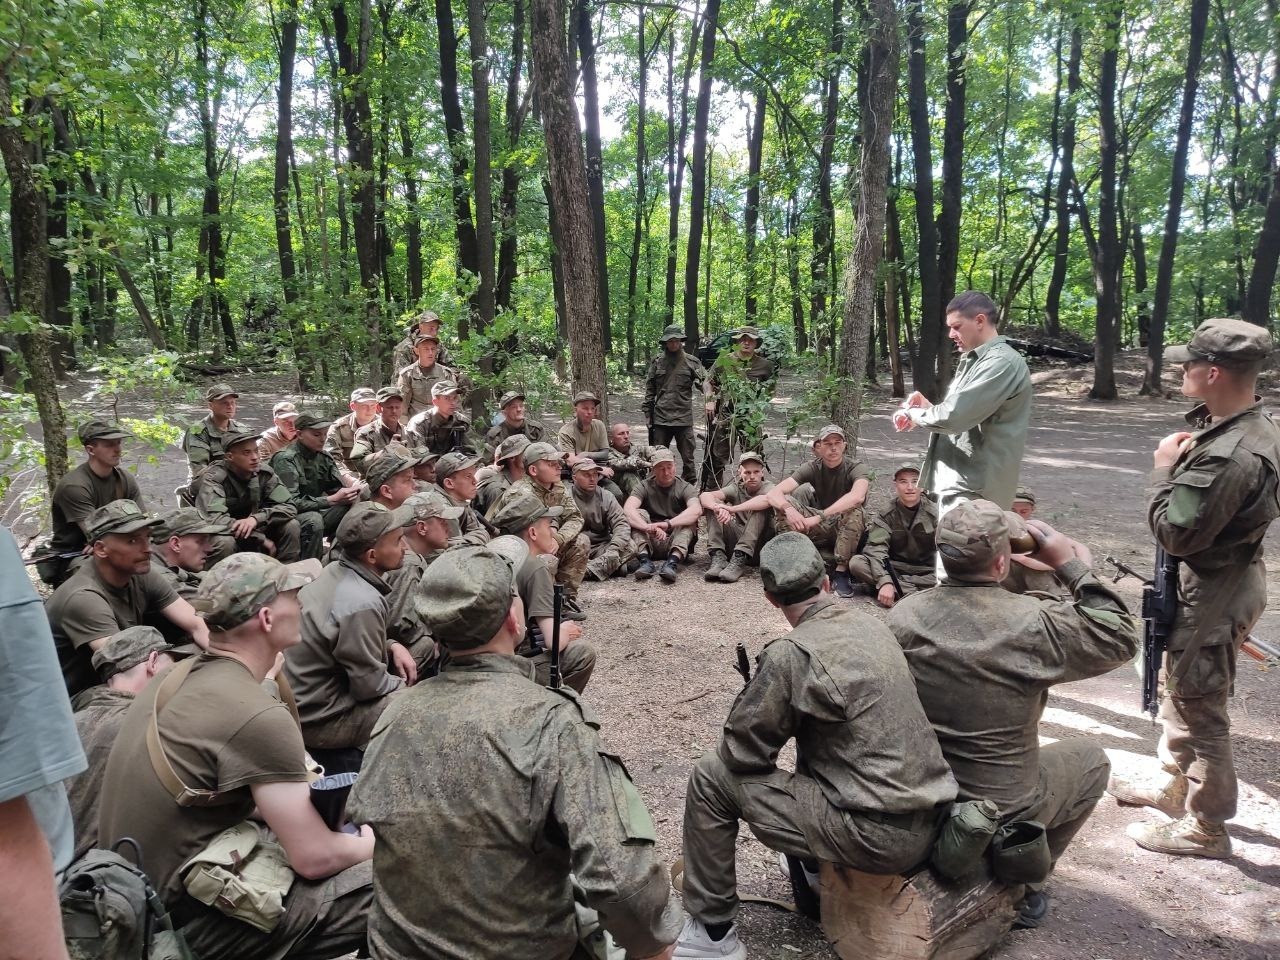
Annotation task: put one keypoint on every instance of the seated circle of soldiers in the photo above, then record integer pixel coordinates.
(734, 537)
(115, 589)
(669, 387)
(900, 536)
(82, 490)
(663, 513)
(603, 522)
(208, 730)
(582, 818)
(384, 429)
(126, 663)
(871, 787)
(825, 500)
(508, 467)
(1028, 574)
(416, 379)
(739, 380)
(246, 496)
(389, 475)
(204, 442)
(512, 422)
(282, 431)
(456, 479)
(969, 642)
(339, 671)
(440, 428)
(342, 433)
(428, 321)
(628, 461)
(542, 481)
(315, 483)
(180, 547)
(424, 540)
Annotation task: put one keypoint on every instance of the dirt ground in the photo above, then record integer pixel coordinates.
(665, 682)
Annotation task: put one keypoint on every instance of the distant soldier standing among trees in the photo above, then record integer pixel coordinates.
(668, 399)
(204, 442)
(745, 374)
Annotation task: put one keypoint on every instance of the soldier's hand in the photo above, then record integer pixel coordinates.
(902, 422)
(570, 630)
(1170, 449)
(724, 514)
(276, 667)
(606, 472)
(886, 596)
(918, 400)
(243, 527)
(657, 532)
(403, 663)
(1053, 548)
(269, 546)
(797, 521)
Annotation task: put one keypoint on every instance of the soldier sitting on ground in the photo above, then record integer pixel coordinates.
(456, 479)
(180, 547)
(663, 514)
(1026, 573)
(424, 541)
(416, 379)
(603, 522)
(342, 434)
(315, 484)
(282, 431)
(628, 461)
(389, 473)
(734, 538)
(82, 490)
(513, 423)
(901, 534)
(339, 671)
(585, 437)
(114, 590)
(870, 788)
(245, 495)
(387, 428)
(440, 428)
(204, 442)
(969, 642)
(508, 467)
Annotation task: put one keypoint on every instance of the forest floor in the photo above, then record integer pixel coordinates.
(665, 681)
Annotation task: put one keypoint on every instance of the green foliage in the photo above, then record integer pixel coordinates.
(21, 460)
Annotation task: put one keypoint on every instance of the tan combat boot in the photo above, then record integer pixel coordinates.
(1170, 799)
(1188, 837)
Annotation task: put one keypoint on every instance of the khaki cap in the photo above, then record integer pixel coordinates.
(585, 396)
(364, 523)
(791, 569)
(309, 421)
(586, 465)
(750, 456)
(541, 451)
(386, 463)
(520, 513)
(830, 430)
(672, 332)
(743, 332)
(1227, 342)
(238, 587)
(451, 463)
(218, 391)
(100, 430)
(388, 393)
(363, 395)
(426, 316)
(118, 516)
(511, 396)
(661, 455)
(1025, 495)
(128, 648)
(285, 408)
(465, 595)
(904, 467)
(428, 504)
(442, 387)
(185, 521)
(970, 536)
(514, 446)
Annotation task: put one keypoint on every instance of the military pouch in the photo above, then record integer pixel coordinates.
(632, 813)
(1020, 853)
(241, 874)
(966, 833)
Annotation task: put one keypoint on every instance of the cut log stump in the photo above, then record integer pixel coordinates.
(923, 916)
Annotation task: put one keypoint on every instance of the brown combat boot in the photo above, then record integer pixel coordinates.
(1188, 837)
(717, 565)
(1170, 799)
(736, 568)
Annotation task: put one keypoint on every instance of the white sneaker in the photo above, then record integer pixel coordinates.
(696, 944)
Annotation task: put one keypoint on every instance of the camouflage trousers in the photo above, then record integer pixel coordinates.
(722, 437)
(606, 559)
(629, 483)
(351, 728)
(569, 565)
(840, 535)
(286, 535)
(912, 576)
(744, 533)
(677, 542)
(318, 524)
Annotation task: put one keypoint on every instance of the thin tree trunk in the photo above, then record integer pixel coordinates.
(287, 50)
(751, 215)
(413, 219)
(793, 271)
(931, 337)
(484, 295)
(820, 265)
(594, 157)
(892, 281)
(1266, 257)
(676, 157)
(698, 172)
(1067, 175)
(637, 231)
(952, 200)
(513, 120)
(1107, 259)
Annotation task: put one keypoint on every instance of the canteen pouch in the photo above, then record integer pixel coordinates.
(965, 835)
(241, 874)
(1020, 853)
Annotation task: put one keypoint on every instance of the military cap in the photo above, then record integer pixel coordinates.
(673, 332)
(421, 337)
(388, 393)
(218, 391)
(585, 396)
(183, 522)
(428, 504)
(661, 455)
(541, 451)
(514, 446)
(236, 588)
(426, 316)
(743, 332)
(465, 595)
(791, 569)
(1025, 495)
(586, 464)
(520, 513)
(1227, 342)
(514, 549)
(118, 516)
(451, 463)
(904, 467)
(235, 437)
(128, 648)
(285, 408)
(750, 456)
(363, 395)
(830, 430)
(309, 421)
(364, 523)
(441, 387)
(970, 536)
(511, 396)
(100, 430)
(386, 463)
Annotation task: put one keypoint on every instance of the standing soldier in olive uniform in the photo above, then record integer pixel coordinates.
(663, 513)
(508, 467)
(1214, 493)
(564, 807)
(426, 322)
(387, 428)
(342, 434)
(281, 433)
(603, 522)
(734, 539)
(673, 379)
(180, 547)
(204, 442)
(902, 534)
(249, 498)
(440, 428)
(513, 423)
(629, 461)
(415, 380)
(315, 484)
(745, 374)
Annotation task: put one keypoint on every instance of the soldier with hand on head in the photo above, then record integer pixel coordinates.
(315, 483)
(204, 442)
(508, 467)
(629, 461)
(245, 495)
(282, 431)
(514, 422)
(902, 535)
(387, 428)
(734, 536)
(440, 428)
(456, 480)
(342, 433)
(669, 387)
(603, 522)
(180, 547)
(416, 379)
(663, 514)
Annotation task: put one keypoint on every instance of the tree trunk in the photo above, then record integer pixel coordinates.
(484, 295)
(1066, 176)
(594, 156)
(1107, 259)
(892, 283)
(676, 157)
(513, 120)
(288, 48)
(931, 339)
(1140, 282)
(793, 271)
(1266, 256)
(820, 266)
(413, 219)
(698, 178)
(751, 215)
(637, 227)
(952, 200)
(58, 292)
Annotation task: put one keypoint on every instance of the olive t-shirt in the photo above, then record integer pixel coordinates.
(78, 494)
(221, 731)
(663, 503)
(830, 484)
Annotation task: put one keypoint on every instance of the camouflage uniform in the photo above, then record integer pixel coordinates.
(225, 496)
(819, 487)
(502, 430)
(573, 549)
(669, 389)
(342, 435)
(403, 623)
(755, 377)
(204, 444)
(745, 534)
(905, 536)
(630, 468)
(310, 478)
(607, 530)
(371, 438)
(403, 354)
(185, 521)
(429, 431)
(415, 382)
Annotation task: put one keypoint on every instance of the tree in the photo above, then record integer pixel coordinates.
(698, 183)
(1106, 250)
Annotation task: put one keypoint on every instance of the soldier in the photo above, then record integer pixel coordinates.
(902, 534)
(415, 380)
(247, 497)
(969, 642)
(542, 482)
(1213, 496)
(673, 378)
(746, 377)
(424, 471)
(1026, 573)
(180, 548)
(387, 428)
(115, 589)
(825, 500)
(584, 435)
(221, 734)
(456, 480)
(628, 461)
(281, 433)
(582, 817)
(315, 484)
(342, 434)
(870, 786)
(424, 541)
(663, 514)
(389, 473)
(508, 467)
(440, 428)
(204, 442)
(426, 322)
(734, 538)
(93, 484)
(513, 423)
(603, 522)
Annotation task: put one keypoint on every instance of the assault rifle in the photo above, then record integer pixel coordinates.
(538, 643)
(898, 593)
(42, 557)
(744, 662)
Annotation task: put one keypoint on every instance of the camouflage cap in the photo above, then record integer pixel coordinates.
(363, 395)
(465, 595)
(905, 466)
(1025, 495)
(426, 316)
(520, 513)
(585, 396)
(970, 536)
(386, 463)
(442, 387)
(100, 430)
(309, 421)
(673, 332)
(219, 391)
(514, 446)
(233, 438)
(1227, 342)
(421, 337)
(830, 430)
(285, 408)
(428, 504)
(511, 396)
(185, 521)
(388, 393)
(743, 332)
(750, 456)
(118, 516)
(661, 455)
(364, 523)
(791, 569)
(238, 587)
(541, 451)
(451, 463)
(514, 549)
(128, 648)
(587, 465)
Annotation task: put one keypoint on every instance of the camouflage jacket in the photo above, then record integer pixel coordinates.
(904, 536)
(569, 524)
(415, 383)
(429, 431)
(669, 387)
(226, 496)
(371, 438)
(202, 443)
(500, 431)
(309, 476)
(340, 439)
(636, 460)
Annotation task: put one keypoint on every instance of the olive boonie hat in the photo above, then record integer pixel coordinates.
(791, 569)
(520, 513)
(183, 522)
(585, 396)
(465, 595)
(100, 430)
(426, 316)
(451, 463)
(1025, 495)
(513, 446)
(428, 504)
(388, 393)
(1227, 342)
(661, 455)
(541, 451)
(743, 332)
(750, 457)
(441, 387)
(128, 648)
(970, 536)
(285, 408)
(363, 395)
(238, 587)
(118, 516)
(672, 332)
(511, 396)
(309, 421)
(234, 438)
(830, 430)
(386, 463)
(218, 391)
(904, 467)
(366, 522)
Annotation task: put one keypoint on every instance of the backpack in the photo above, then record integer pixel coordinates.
(110, 911)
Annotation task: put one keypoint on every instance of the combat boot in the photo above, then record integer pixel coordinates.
(1188, 837)
(1170, 799)
(670, 570)
(717, 565)
(734, 570)
(646, 569)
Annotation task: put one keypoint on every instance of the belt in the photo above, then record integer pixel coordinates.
(912, 820)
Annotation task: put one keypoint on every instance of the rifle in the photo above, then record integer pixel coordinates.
(744, 663)
(898, 593)
(42, 557)
(557, 612)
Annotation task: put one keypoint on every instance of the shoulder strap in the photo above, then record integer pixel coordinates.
(183, 795)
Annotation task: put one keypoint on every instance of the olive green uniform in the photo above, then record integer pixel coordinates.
(371, 438)
(77, 495)
(751, 380)
(470, 529)
(310, 478)
(203, 445)
(185, 583)
(572, 439)
(1025, 580)
(630, 468)
(340, 439)
(819, 487)
(607, 530)
(415, 382)
(502, 430)
(99, 711)
(904, 536)
(659, 503)
(489, 490)
(537, 793)
(404, 354)
(669, 389)
(573, 549)
(537, 594)
(225, 496)
(745, 533)
(403, 624)
(430, 431)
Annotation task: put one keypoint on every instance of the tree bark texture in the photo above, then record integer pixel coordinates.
(1106, 262)
(281, 199)
(931, 339)
(820, 265)
(698, 171)
(483, 300)
(751, 215)
(594, 156)
(513, 121)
